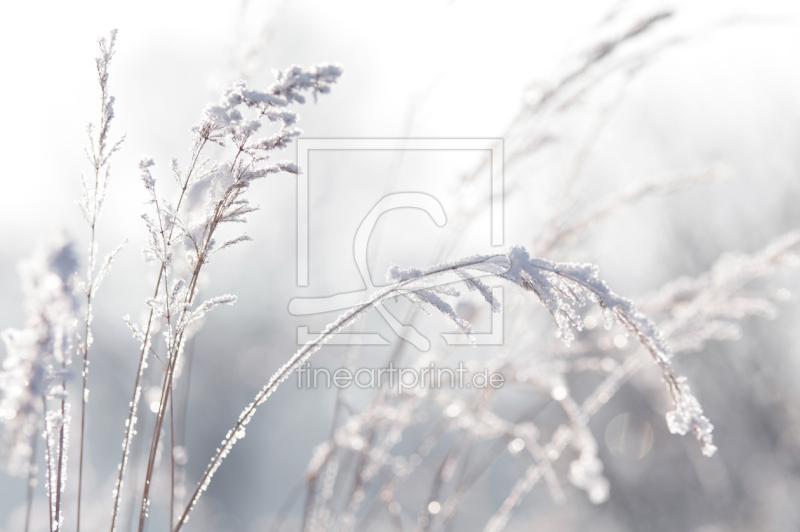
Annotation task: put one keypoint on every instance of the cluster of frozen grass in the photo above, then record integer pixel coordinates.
(182, 238)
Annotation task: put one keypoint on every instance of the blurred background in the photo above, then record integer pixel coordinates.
(593, 100)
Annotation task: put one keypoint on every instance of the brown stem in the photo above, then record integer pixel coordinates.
(86, 333)
(134, 401)
(174, 346)
(31, 478)
(48, 462)
(126, 443)
(171, 461)
(60, 451)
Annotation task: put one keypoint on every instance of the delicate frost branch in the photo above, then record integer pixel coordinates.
(223, 124)
(612, 62)
(38, 354)
(568, 281)
(105, 268)
(94, 193)
(35, 368)
(560, 287)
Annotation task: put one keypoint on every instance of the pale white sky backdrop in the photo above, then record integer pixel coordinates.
(473, 59)
(173, 56)
(462, 67)
(459, 68)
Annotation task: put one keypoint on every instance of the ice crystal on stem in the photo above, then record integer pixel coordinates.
(36, 367)
(561, 287)
(231, 123)
(37, 355)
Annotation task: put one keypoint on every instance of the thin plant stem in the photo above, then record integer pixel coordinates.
(129, 424)
(60, 451)
(132, 415)
(136, 451)
(174, 345)
(487, 459)
(31, 479)
(308, 505)
(101, 152)
(291, 365)
(171, 461)
(85, 369)
(48, 463)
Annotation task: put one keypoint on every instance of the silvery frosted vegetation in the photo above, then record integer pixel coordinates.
(395, 461)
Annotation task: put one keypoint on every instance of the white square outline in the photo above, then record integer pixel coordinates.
(496, 168)
(305, 145)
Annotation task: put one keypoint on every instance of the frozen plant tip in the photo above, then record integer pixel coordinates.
(231, 124)
(561, 287)
(356, 476)
(94, 192)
